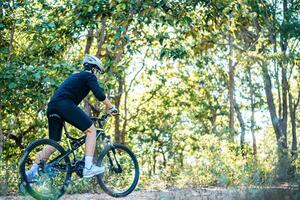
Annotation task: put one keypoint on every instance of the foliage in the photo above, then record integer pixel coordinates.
(167, 65)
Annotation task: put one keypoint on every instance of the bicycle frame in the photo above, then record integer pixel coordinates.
(75, 143)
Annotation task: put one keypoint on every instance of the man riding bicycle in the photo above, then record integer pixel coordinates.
(64, 104)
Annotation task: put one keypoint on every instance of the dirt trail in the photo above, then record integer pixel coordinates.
(213, 193)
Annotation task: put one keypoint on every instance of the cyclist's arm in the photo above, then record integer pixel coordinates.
(107, 103)
(98, 92)
(96, 89)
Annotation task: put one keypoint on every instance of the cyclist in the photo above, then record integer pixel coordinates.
(64, 104)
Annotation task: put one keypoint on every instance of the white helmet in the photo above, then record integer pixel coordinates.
(93, 60)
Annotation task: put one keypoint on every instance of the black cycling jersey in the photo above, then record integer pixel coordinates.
(65, 102)
(77, 86)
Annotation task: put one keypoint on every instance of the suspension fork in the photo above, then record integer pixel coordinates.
(117, 169)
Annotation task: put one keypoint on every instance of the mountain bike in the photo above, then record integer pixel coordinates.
(119, 179)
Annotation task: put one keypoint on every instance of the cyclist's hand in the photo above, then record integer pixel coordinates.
(113, 111)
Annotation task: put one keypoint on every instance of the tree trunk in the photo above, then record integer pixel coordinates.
(252, 113)
(1, 131)
(231, 90)
(126, 92)
(254, 147)
(154, 162)
(164, 158)
(242, 125)
(293, 107)
(283, 151)
(284, 104)
(278, 85)
(213, 120)
(89, 41)
(101, 37)
(181, 158)
(119, 138)
(117, 124)
(123, 132)
(278, 125)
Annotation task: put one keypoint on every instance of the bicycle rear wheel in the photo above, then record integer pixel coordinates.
(121, 170)
(53, 175)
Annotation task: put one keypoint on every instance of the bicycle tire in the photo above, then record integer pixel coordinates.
(133, 158)
(22, 169)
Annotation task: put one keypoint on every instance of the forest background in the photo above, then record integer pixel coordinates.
(208, 91)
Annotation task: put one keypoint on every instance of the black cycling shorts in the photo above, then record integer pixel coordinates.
(69, 112)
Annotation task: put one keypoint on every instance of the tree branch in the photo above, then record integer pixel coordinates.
(101, 37)
(89, 41)
(11, 39)
(144, 102)
(270, 100)
(133, 79)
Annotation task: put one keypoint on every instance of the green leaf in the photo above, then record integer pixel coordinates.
(122, 28)
(1, 26)
(163, 53)
(126, 37)
(51, 25)
(12, 85)
(56, 47)
(4, 50)
(78, 22)
(119, 8)
(124, 6)
(109, 86)
(161, 40)
(170, 22)
(37, 75)
(90, 8)
(56, 65)
(117, 36)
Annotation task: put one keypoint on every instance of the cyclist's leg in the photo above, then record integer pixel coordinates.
(75, 116)
(90, 170)
(42, 155)
(90, 142)
(55, 127)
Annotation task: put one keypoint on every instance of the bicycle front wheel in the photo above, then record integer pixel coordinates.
(121, 170)
(53, 175)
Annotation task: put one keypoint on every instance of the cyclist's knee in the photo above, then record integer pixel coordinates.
(91, 130)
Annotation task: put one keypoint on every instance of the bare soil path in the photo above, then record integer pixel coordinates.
(210, 193)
